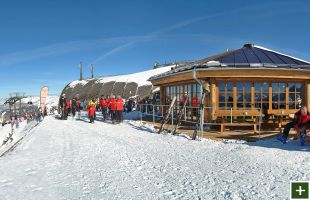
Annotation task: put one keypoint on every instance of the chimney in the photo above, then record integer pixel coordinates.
(248, 45)
(81, 73)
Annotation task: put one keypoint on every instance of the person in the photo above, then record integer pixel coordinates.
(119, 109)
(112, 106)
(82, 104)
(67, 108)
(300, 122)
(195, 104)
(103, 106)
(108, 107)
(45, 110)
(16, 121)
(91, 113)
(62, 104)
(73, 107)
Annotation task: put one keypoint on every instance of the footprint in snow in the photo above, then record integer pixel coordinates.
(37, 189)
(7, 184)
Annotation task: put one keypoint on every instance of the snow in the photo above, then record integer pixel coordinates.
(19, 133)
(141, 78)
(74, 83)
(51, 101)
(74, 159)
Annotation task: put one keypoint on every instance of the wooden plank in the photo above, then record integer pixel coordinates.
(237, 112)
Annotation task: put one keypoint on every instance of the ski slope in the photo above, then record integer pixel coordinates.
(76, 160)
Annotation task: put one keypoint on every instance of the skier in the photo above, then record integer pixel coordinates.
(300, 122)
(62, 104)
(195, 101)
(73, 107)
(119, 109)
(91, 113)
(112, 105)
(108, 107)
(103, 106)
(44, 111)
(67, 108)
(16, 121)
(82, 104)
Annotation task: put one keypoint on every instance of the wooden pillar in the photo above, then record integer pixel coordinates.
(214, 98)
(252, 96)
(287, 98)
(235, 96)
(270, 96)
(162, 95)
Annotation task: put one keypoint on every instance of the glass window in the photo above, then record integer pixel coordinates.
(295, 95)
(261, 96)
(226, 95)
(279, 95)
(243, 94)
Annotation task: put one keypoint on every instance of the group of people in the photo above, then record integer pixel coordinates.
(111, 107)
(300, 123)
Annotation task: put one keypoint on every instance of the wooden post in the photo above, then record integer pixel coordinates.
(213, 99)
(252, 96)
(235, 96)
(270, 96)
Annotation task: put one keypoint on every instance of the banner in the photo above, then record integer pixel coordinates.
(43, 96)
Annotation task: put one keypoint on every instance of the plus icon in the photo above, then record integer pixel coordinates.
(300, 190)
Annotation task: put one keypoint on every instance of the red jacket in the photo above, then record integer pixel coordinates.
(195, 102)
(112, 104)
(68, 104)
(119, 104)
(91, 111)
(108, 102)
(103, 103)
(301, 120)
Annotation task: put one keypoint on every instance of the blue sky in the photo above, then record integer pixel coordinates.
(42, 42)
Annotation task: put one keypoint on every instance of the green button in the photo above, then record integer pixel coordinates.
(299, 190)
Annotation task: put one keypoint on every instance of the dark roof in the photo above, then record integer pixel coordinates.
(252, 54)
(248, 56)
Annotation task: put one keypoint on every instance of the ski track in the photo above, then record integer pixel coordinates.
(77, 160)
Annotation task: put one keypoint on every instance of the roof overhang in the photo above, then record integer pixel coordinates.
(230, 72)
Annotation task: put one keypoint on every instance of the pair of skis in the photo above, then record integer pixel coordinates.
(168, 116)
(179, 117)
(200, 115)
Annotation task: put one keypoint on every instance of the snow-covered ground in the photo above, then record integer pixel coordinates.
(73, 159)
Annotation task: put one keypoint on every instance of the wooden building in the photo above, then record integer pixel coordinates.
(243, 83)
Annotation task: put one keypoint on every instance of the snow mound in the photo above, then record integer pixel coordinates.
(74, 83)
(141, 78)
